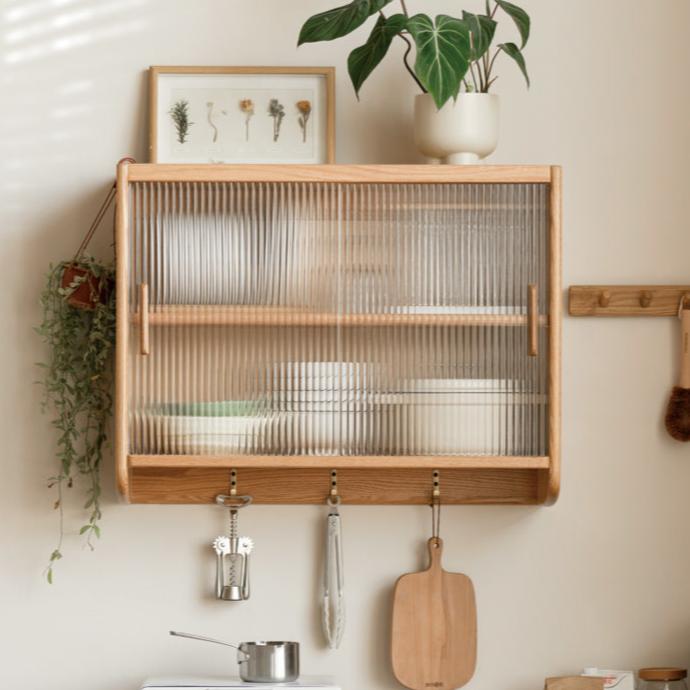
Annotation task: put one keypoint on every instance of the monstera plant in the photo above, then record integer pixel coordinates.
(453, 54)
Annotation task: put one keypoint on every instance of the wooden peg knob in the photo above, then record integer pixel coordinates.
(604, 298)
(645, 299)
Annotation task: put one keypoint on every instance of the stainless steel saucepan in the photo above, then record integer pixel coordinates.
(261, 662)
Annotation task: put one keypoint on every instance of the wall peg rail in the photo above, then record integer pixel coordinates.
(626, 300)
(294, 324)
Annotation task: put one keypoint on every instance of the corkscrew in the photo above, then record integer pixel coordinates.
(232, 554)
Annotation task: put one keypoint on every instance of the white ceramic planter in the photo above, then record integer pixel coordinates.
(463, 131)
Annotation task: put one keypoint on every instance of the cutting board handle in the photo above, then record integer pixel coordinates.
(435, 545)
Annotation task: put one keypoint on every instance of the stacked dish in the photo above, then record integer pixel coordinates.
(465, 417)
(228, 258)
(205, 259)
(508, 310)
(328, 408)
(211, 428)
(321, 408)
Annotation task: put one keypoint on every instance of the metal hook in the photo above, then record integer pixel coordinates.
(233, 502)
(334, 485)
(436, 505)
(333, 500)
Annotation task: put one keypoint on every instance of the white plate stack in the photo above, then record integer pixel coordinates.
(321, 408)
(206, 259)
(464, 417)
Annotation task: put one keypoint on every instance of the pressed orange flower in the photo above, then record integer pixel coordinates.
(247, 107)
(305, 109)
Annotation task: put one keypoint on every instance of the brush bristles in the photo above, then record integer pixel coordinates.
(678, 414)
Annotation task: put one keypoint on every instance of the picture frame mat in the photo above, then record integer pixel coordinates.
(164, 79)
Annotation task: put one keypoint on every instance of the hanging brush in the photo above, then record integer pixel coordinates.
(678, 410)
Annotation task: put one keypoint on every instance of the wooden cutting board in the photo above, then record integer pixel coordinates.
(434, 641)
(574, 683)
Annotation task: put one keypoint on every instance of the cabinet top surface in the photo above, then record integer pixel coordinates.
(372, 174)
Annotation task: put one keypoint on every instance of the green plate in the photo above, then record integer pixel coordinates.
(220, 408)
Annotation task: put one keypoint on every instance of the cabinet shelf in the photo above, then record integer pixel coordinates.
(230, 315)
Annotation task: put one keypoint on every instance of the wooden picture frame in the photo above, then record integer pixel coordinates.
(225, 108)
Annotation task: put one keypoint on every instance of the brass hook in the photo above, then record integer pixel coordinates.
(233, 502)
(436, 506)
(333, 500)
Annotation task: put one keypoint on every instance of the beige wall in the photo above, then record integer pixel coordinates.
(601, 578)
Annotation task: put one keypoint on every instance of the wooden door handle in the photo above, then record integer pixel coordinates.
(533, 319)
(144, 348)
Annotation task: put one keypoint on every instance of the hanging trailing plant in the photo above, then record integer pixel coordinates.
(78, 382)
(78, 325)
(452, 53)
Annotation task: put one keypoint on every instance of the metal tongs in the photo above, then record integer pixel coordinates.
(333, 608)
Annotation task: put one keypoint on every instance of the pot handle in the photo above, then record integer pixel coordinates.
(211, 639)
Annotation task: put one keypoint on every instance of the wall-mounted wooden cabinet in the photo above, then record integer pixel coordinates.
(384, 321)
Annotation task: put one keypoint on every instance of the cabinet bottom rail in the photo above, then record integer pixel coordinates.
(170, 479)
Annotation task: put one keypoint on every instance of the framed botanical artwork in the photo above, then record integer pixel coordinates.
(242, 114)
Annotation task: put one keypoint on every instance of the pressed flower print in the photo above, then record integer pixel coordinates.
(234, 116)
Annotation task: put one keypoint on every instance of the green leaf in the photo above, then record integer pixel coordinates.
(482, 30)
(443, 54)
(338, 22)
(85, 528)
(363, 60)
(519, 16)
(49, 576)
(513, 51)
(97, 531)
